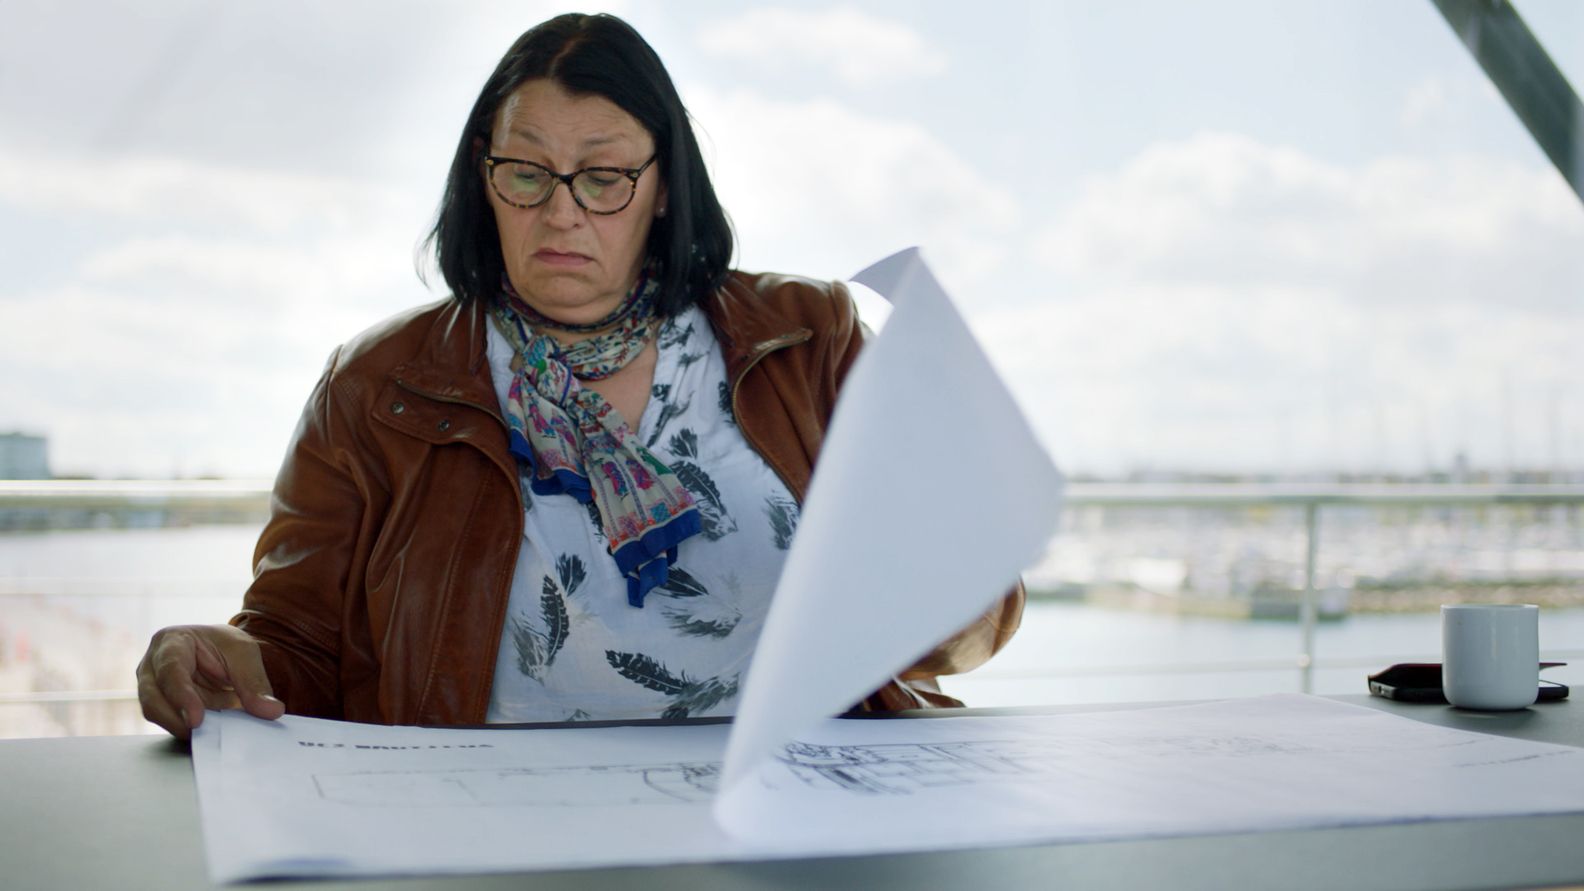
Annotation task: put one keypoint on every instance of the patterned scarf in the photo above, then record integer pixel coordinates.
(570, 440)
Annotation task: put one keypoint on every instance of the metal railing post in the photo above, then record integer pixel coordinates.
(1306, 607)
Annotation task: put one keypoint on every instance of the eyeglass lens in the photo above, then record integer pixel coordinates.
(526, 185)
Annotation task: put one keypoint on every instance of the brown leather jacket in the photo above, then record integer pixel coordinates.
(381, 580)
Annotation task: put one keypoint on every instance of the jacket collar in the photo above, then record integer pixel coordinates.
(450, 365)
(746, 326)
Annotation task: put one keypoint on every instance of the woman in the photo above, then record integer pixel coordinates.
(566, 491)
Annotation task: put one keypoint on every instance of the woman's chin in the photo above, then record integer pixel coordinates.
(574, 308)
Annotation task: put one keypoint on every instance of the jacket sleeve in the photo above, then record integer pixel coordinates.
(917, 687)
(294, 607)
(964, 651)
(973, 646)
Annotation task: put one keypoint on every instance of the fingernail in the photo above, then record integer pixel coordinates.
(268, 698)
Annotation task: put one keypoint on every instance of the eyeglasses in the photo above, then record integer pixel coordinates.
(601, 190)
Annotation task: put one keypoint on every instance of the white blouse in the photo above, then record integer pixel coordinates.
(572, 648)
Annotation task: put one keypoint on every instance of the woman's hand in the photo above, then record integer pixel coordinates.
(189, 668)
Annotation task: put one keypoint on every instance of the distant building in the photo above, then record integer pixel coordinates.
(24, 457)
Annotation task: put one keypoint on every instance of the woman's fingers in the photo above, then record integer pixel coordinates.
(244, 670)
(158, 709)
(175, 665)
(217, 699)
(188, 669)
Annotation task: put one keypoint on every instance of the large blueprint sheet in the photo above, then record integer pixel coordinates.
(307, 797)
(905, 537)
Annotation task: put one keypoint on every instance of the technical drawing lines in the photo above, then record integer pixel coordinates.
(879, 769)
(905, 768)
(578, 786)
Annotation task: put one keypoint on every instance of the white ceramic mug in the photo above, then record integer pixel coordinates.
(1490, 655)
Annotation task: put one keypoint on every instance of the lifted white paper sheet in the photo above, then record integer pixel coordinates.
(905, 537)
(306, 797)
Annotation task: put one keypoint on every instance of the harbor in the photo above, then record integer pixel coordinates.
(1131, 601)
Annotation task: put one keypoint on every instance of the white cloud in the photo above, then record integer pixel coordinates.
(1443, 108)
(1230, 304)
(1225, 208)
(184, 353)
(859, 48)
(295, 85)
(1213, 301)
(345, 272)
(260, 274)
(817, 187)
(1425, 102)
(1249, 378)
(162, 191)
(184, 329)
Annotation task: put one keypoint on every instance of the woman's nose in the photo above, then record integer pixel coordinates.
(561, 209)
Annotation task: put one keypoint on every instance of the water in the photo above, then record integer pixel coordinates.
(1067, 653)
(77, 609)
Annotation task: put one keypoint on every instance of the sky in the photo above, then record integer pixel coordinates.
(1220, 236)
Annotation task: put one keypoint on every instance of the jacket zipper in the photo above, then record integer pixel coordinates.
(479, 708)
(764, 349)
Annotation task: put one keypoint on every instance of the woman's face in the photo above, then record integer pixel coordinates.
(571, 265)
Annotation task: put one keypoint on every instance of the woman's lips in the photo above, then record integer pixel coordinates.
(557, 258)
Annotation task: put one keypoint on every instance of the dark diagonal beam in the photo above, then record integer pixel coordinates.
(1526, 77)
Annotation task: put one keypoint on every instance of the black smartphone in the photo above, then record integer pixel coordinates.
(1421, 682)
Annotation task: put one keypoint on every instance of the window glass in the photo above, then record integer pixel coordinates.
(1231, 241)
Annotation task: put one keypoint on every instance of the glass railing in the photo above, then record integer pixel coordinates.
(1149, 591)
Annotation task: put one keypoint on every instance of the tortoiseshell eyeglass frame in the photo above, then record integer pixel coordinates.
(632, 174)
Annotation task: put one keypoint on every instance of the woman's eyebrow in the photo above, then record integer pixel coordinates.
(527, 134)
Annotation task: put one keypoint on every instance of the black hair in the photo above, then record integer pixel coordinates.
(598, 55)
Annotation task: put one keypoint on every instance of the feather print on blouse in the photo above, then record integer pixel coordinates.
(783, 514)
(672, 336)
(669, 411)
(703, 617)
(557, 623)
(641, 669)
(694, 612)
(687, 696)
(529, 645)
(570, 568)
(702, 696)
(712, 510)
(594, 517)
(536, 649)
(680, 583)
